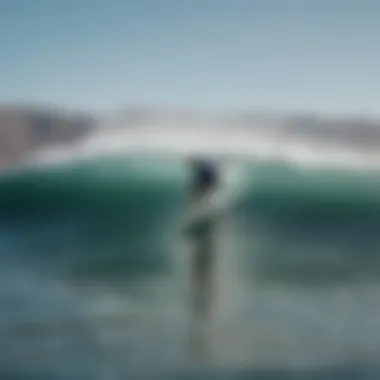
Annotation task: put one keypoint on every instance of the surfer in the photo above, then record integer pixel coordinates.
(205, 180)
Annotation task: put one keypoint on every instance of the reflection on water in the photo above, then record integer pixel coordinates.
(102, 329)
(92, 330)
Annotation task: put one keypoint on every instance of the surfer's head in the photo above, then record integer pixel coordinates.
(205, 176)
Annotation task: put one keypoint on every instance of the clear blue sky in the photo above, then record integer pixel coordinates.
(283, 54)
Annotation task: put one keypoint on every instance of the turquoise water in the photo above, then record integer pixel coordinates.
(94, 280)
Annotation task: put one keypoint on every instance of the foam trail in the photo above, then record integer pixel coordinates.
(227, 278)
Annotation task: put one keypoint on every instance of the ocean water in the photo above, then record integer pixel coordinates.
(95, 281)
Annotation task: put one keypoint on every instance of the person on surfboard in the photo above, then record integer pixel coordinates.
(205, 180)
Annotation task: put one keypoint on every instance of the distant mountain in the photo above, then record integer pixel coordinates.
(26, 130)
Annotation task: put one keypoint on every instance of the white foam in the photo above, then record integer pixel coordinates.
(228, 143)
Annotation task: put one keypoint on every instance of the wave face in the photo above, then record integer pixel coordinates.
(101, 239)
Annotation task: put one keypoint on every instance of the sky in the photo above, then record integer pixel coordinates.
(303, 55)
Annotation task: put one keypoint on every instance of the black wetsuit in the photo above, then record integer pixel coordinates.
(205, 176)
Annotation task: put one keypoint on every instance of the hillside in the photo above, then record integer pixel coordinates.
(25, 130)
